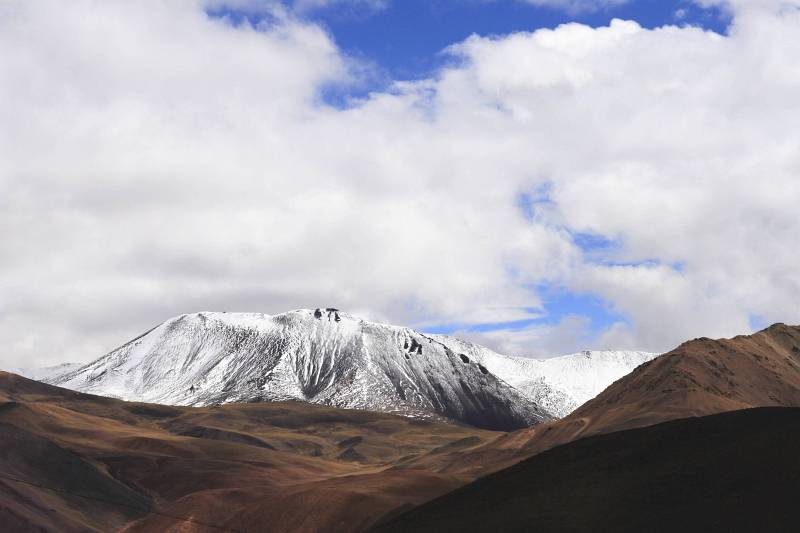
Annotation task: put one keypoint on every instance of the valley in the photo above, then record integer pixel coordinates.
(74, 461)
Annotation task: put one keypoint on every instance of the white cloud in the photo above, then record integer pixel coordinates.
(155, 161)
(364, 5)
(569, 335)
(574, 6)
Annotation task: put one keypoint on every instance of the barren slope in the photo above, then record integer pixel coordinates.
(76, 462)
(735, 471)
(700, 377)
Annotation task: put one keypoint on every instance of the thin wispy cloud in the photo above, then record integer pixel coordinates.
(577, 6)
(369, 5)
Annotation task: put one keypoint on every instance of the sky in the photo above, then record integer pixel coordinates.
(541, 176)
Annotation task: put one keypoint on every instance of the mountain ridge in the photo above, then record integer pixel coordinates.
(333, 358)
(698, 378)
(213, 358)
(175, 452)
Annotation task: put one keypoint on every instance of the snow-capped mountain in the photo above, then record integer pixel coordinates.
(558, 384)
(46, 372)
(332, 358)
(325, 357)
(583, 375)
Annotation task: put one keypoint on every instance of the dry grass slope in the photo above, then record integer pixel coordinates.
(700, 377)
(731, 472)
(296, 467)
(99, 464)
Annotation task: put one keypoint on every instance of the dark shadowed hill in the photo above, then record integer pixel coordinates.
(699, 377)
(735, 471)
(705, 376)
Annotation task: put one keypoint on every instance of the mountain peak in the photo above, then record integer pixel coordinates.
(320, 355)
(327, 356)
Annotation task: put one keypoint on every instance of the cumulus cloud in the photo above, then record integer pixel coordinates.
(156, 160)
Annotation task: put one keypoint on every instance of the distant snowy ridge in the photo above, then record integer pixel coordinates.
(559, 384)
(47, 372)
(309, 355)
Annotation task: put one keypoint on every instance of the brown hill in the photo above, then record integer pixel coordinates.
(76, 462)
(731, 472)
(591, 472)
(699, 377)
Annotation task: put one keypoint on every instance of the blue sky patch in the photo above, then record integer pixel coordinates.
(758, 322)
(593, 242)
(558, 304)
(405, 40)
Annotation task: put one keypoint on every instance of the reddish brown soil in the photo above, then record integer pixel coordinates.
(76, 462)
(699, 377)
(730, 472)
(98, 464)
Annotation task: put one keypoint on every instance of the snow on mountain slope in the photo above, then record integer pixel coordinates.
(209, 358)
(559, 384)
(45, 373)
(586, 374)
(329, 358)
